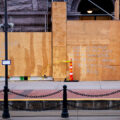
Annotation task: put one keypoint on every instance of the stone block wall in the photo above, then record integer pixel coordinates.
(27, 15)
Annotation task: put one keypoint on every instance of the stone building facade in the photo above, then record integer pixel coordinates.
(34, 15)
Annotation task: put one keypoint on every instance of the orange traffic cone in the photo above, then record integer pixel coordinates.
(71, 72)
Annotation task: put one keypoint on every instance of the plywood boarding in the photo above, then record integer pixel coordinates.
(117, 9)
(30, 54)
(87, 18)
(103, 18)
(95, 49)
(95, 18)
(59, 40)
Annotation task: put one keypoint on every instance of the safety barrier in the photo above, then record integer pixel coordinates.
(100, 95)
(65, 102)
(65, 113)
(50, 94)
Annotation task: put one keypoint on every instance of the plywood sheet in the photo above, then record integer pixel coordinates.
(117, 9)
(59, 66)
(88, 32)
(87, 18)
(59, 40)
(95, 49)
(30, 54)
(95, 18)
(59, 23)
(114, 45)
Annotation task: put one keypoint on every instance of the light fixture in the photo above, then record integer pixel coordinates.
(89, 11)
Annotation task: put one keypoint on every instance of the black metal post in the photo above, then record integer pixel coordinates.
(64, 109)
(6, 109)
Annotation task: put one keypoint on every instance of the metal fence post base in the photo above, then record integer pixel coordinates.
(65, 113)
(6, 114)
(64, 109)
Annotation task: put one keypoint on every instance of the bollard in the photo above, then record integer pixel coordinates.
(64, 107)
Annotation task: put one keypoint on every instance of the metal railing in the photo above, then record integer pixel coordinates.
(65, 103)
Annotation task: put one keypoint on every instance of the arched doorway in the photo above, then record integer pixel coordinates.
(92, 12)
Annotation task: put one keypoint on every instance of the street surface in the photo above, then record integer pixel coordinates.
(74, 115)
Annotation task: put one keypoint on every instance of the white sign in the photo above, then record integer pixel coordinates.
(6, 62)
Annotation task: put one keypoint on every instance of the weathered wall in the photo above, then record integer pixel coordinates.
(24, 5)
(94, 47)
(35, 5)
(27, 15)
(30, 54)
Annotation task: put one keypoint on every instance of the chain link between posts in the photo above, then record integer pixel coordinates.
(41, 96)
(100, 95)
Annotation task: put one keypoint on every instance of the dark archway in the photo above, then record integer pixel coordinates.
(74, 5)
(85, 5)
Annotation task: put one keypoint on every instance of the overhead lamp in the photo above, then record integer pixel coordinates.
(89, 11)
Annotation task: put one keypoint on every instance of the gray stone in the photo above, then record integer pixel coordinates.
(35, 4)
(27, 23)
(27, 7)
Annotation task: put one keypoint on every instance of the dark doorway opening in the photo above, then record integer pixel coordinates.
(85, 7)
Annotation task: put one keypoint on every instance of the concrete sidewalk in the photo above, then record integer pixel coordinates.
(41, 85)
(71, 118)
(57, 113)
(74, 115)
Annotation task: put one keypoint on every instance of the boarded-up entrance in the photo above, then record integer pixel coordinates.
(94, 47)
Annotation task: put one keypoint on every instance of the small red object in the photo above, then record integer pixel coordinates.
(71, 71)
